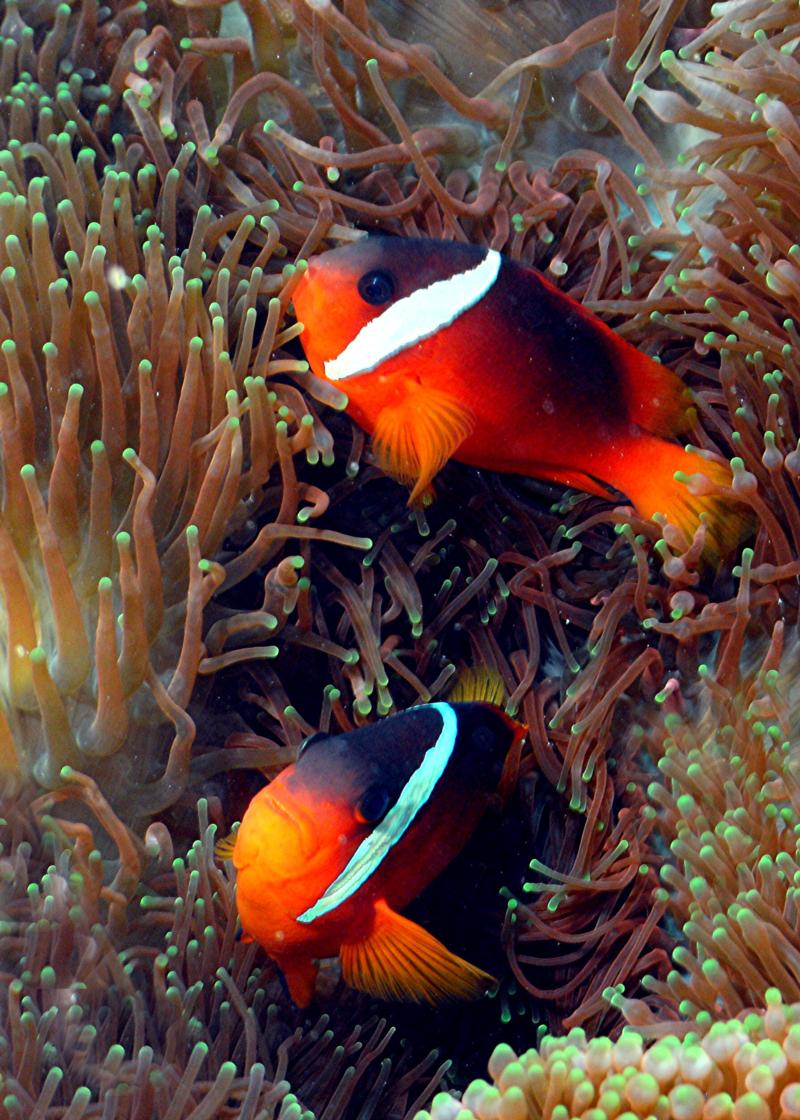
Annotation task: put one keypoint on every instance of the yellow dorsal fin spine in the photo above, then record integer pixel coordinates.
(480, 683)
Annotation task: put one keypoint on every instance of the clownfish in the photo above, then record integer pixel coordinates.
(449, 350)
(345, 837)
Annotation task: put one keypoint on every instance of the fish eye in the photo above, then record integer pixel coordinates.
(309, 739)
(374, 805)
(376, 287)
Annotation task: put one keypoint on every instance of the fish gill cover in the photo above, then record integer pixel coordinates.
(199, 563)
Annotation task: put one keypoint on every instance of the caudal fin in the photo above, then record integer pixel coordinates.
(687, 489)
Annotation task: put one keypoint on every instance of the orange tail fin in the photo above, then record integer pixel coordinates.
(660, 477)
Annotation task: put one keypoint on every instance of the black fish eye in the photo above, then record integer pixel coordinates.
(309, 739)
(376, 287)
(374, 805)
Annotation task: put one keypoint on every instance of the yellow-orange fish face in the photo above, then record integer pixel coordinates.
(375, 300)
(287, 850)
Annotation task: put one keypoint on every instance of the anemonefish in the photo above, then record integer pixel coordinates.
(330, 851)
(451, 350)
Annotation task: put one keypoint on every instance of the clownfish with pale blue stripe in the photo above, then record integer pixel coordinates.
(448, 350)
(330, 851)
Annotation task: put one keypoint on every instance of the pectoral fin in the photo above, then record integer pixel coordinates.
(414, 438)
(402, 961)
(223, 849)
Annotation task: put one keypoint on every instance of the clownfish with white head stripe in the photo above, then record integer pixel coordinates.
(448, 350)
(330, 851)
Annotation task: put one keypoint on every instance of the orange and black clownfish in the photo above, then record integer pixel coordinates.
(330, 851)
(452, 350)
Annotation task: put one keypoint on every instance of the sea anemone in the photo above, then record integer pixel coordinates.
(169, 1016)
(744, 1069)
(726, 808)
(138, 434)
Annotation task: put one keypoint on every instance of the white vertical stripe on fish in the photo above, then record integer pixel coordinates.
(373, 849)
(413, 318)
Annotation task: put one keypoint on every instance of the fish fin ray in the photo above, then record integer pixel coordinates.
(509, 776)
(656, 398)
(484, 685)
(658, 401)
(656, 490)
(402, 961)
(414, 438)
(223, 849)
(479, 683)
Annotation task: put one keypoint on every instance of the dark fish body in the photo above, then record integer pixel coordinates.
(340, 841)
(452, 350)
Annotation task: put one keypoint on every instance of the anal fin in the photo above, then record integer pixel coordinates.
(414, 438)
(574, 478)
(402, 961)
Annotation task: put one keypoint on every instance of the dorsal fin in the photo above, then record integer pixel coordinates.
(657, 400)
(479, 683)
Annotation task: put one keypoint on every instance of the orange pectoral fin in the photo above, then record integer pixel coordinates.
(402, 961)
(414, 438)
